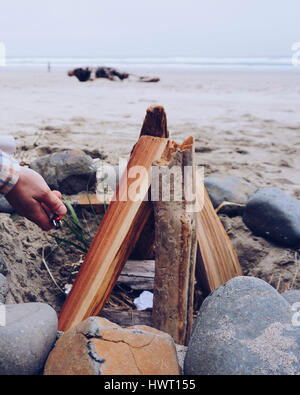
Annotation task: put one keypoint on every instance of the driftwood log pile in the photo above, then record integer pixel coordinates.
(91, 73)
(168, 224)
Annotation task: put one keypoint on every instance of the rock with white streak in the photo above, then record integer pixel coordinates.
(244, 327)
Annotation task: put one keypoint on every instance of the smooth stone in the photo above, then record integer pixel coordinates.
(5, 206)
(292, 296)
(4, 288)
(274, 215)
(27, 338)
(244, 328)
(69, 171)
(223, 188)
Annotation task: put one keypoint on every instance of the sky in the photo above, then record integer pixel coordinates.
(156, 28)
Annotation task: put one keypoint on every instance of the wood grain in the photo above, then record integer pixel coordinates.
(217, 261)
(175, 247)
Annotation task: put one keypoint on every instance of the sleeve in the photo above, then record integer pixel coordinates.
(9, 173)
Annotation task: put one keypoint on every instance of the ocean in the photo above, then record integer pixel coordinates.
(196, 63)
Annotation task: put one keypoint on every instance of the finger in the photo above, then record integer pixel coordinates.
(47, 210)
(57, 193)
(45, 207)
(39, 217)
(54, 204)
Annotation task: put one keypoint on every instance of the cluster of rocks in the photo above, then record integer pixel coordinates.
(30, 344)
(267, 212)
(245, 327)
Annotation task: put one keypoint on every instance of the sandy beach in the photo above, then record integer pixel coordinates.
(245, 123)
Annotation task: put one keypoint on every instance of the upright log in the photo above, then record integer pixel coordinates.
(119, 231)
(175, 245)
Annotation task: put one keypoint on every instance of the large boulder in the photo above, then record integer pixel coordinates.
(274, 215)
(27, 337)
(228, 188)
(99, 347)
(244, 328)
(69, 171)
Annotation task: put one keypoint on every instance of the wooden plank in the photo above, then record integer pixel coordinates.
(217, 261)
(115, 239)
(155, 124)
(99, 202)
(175, 247)
(127, 318)
(138, 275)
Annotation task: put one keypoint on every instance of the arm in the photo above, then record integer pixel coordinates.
(9, 173)
(28, 192)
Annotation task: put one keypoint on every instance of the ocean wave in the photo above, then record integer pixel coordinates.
(151, 61)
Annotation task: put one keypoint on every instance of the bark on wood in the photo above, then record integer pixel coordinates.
(119, 231)
(217, 261)
(155, 122)
(175, 249)
(138, 275)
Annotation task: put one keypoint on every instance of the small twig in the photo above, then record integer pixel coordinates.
(271, 279)
(297, 271)
(49, 272)
(225, 203)
(279, 282)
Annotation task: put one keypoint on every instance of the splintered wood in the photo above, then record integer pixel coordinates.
(115, 238)
(217, 261)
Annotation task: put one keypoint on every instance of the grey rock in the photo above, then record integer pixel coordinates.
(4, 288)
(274, 215)
(292, 296)
(27, 338)
(5, 207)
(69, 171)
(244, 328)
(108, 176)
(228, 188)
(3, 266)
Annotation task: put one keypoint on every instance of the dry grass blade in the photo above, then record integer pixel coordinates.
(49, 271)
(297, 271)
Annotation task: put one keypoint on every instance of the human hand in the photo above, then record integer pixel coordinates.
(32, 198)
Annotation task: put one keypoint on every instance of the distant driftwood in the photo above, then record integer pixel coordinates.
(89, 74)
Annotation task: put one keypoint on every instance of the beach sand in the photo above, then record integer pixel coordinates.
(245, 123)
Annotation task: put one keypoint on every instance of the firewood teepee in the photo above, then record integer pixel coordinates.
(180, 235)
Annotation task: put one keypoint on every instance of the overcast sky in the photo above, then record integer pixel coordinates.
(99, 28)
